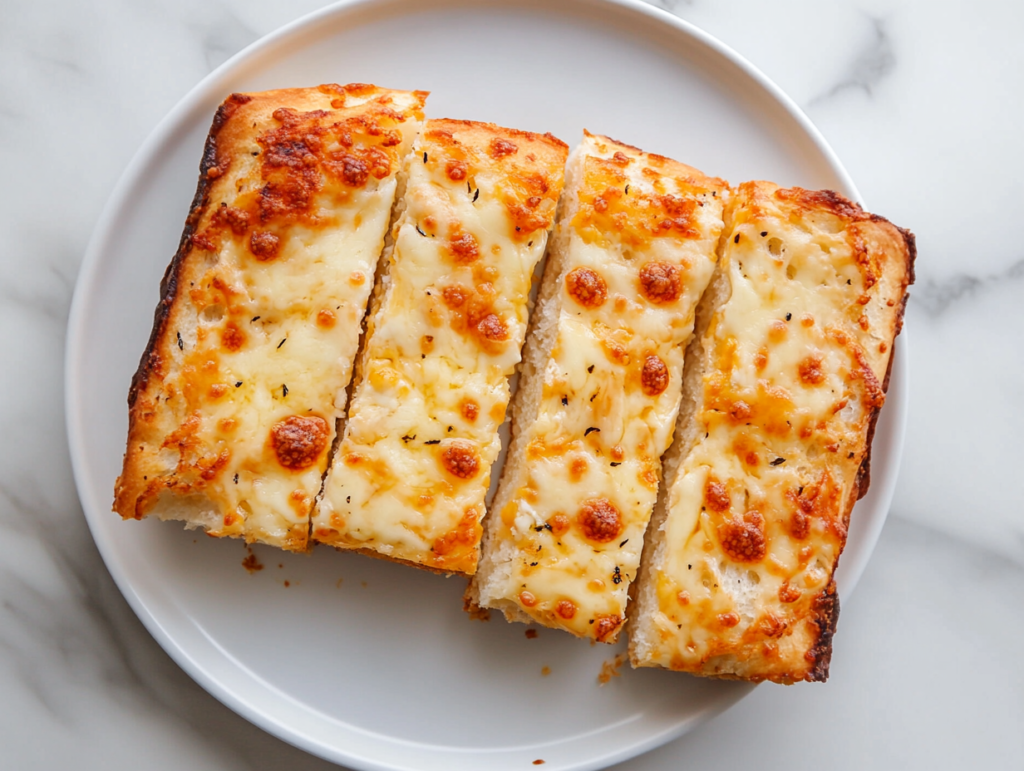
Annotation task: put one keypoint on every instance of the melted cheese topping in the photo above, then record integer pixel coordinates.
(410, 476)
(259, 344)
(637, 252)
(758, 513)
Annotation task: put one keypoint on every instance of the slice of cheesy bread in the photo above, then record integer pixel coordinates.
(233, 407)
(409, 478)
(783, 386)
(634, 250)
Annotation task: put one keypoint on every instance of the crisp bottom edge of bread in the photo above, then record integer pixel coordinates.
(368, 552)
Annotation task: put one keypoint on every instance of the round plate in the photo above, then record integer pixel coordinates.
(368, 663)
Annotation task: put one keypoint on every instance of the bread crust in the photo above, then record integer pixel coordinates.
(798, 643)
(449, 314)
(149, 362)
(634, 249)
(237, 236)
(746, 632)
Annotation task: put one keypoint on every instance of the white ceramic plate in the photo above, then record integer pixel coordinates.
(367, 663)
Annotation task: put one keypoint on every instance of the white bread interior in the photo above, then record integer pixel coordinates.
(643, 601)
(487, 586)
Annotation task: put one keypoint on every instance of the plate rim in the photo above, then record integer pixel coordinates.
(851, 570)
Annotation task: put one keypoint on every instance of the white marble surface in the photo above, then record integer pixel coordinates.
(922, 101)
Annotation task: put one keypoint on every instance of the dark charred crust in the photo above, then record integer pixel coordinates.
(911, 241)
(863, 480)
(826, 617)
(169, 284)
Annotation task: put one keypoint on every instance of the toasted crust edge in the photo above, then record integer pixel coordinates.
(472, 127)
(126, 498)
(541, 336)
(670, 164)
(129, 501)
(826, 607)
(553, 151)
(169, 284)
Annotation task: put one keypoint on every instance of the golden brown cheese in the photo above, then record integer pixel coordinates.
(635, 249)
(409, 478)
(233, 408)
(794, 363)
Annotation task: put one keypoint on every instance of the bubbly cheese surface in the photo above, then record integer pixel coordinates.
(636, 249)
(239, 396)
(793, 364)
(410, 476)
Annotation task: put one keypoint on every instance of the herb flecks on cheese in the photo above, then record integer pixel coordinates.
(793, 364)
(234, 406)
(635, 250)
(410, 476)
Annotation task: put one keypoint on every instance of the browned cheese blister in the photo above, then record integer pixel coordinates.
(410, 476)
(782, 390)
(600, 391)
(234, 406)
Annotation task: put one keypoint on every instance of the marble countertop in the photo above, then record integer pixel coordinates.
(921, 100)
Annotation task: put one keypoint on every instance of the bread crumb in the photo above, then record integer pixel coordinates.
(475, 612)
(538, 762)
(545, 671)
(363, 583)
(287, 583)
(251, 562)
(337, 585)
(610, 669)
(531, 634)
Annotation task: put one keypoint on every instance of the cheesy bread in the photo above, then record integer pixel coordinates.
(783, 386)
(234, 405)
(635, 248)
(409, 478)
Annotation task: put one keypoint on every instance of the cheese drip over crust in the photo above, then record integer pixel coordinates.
(794, 360)
(409, 478)
(635, 249)
(234, 406)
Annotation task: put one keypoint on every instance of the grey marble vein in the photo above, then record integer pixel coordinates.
(929, 631)
(51, 302)
(869, 68)
(927, 673)
(57, 62)
(88, 635)
(222, 35)
(936, 296)
(69, 549)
